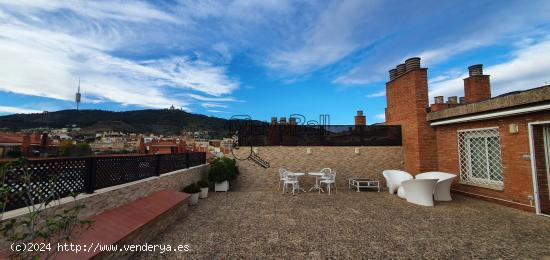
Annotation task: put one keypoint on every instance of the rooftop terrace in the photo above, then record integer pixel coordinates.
(264, 223)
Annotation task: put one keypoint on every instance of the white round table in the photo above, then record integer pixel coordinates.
(316, 186)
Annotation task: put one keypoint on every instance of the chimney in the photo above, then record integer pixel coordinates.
(360, 119)
(412, 63)
(477, 87)
(274, 120)
(292, 121)
(452, 100)
(461, 100)
(393, 74)
(407, 101)
(438, 104)
(26, 145)
(401, 69)
(475, 70)
(282, 120)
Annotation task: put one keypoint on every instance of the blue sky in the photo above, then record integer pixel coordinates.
(261, 58)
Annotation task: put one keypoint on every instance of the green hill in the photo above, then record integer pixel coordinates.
(167, 122)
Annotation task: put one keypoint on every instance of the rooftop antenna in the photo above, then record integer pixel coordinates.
(78, 95)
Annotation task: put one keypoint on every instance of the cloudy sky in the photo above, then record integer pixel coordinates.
(263, 58)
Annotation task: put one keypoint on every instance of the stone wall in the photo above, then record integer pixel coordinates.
(368, 163)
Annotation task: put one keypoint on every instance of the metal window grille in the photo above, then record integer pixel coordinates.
(480, 158)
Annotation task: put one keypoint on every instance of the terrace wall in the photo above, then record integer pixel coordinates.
(369, 163)
(112, 197)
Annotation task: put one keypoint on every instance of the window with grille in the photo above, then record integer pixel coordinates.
(480, 160)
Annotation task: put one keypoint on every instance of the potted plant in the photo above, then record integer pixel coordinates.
(203, 184)
(194, 190)
(222, 170)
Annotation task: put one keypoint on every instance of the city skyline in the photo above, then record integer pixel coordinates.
(265, 58)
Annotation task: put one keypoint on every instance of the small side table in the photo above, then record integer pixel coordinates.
(364, 183)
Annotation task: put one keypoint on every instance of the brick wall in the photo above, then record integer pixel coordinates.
(407, 100)
(518, 183)
(369, 163)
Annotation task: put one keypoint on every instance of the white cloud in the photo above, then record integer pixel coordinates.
(137, 11)
(377, 94)
(45, 57)
(527, 68)
(439, 34)
(216, 111)
(381, 116)
(213, 99)
(331, 38)
(18, 110)
(213, 105)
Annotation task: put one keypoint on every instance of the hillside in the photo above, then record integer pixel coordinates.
(163, 121)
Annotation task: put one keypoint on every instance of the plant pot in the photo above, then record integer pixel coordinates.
(194, 199)
(204, 193)
(221, 186)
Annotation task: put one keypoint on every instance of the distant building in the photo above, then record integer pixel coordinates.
(162, 145)
(20, 144)
(115, 142)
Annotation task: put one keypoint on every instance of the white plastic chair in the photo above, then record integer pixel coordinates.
(282, 177)
(394, 179)
(442, 191)
(290, 179)
(331, 179)
(419, 191)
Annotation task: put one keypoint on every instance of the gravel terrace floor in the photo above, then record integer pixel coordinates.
(268, 224)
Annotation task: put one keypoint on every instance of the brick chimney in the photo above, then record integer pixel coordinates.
(438, 104)
(26, 145)
(452, 101)
(292, 120)
(274, 120)
(477, 87)
(360, 119)
(282, 120)
(407, 103)
(142, 148)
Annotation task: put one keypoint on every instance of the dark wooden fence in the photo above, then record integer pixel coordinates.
(318, 135)
(87, 174)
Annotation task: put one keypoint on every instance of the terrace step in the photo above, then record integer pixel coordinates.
(134, 223)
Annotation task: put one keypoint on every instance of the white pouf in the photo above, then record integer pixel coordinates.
(401, 192)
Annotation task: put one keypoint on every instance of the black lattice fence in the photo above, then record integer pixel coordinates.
(56, 178)
(111, 171)
(173, 162)
(319, 135)
(61, 177)
(196, 159)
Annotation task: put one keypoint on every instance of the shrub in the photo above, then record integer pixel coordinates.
(192, 188)
(223, 169)
(41, 223)
(203, 183)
